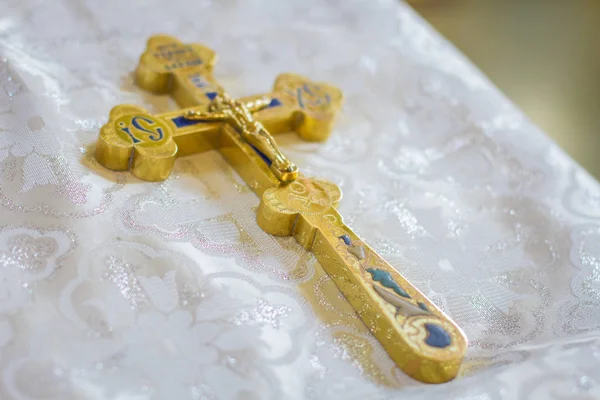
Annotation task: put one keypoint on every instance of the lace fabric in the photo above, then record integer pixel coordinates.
(114, 288)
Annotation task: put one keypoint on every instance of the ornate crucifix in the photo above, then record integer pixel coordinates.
(417, 335)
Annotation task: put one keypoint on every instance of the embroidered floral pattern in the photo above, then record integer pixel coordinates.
(173, 292)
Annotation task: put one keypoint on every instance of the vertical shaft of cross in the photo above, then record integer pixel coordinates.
(417, 335)
(424, 342)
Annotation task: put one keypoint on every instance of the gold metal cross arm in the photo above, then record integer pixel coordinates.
(137, 141)
(185, 72)
(423, 341)
(147, 144)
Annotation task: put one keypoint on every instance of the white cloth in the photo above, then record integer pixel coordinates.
(113, 288)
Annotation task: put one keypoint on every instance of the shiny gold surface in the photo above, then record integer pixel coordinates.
(137, 141)
(186, 73)
(239, 115)
(305, 209)
(543, 54)
(417, 335)
(134, 140)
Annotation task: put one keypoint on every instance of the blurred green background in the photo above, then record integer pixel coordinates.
(544, 54)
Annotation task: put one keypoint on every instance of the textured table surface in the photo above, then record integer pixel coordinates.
(113, 288)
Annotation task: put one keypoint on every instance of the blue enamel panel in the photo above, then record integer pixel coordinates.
(385, 278)
(274, 102)
(437, 336)
(346, 239)
(182, 122)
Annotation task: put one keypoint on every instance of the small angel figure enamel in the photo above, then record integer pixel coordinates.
(418, 336)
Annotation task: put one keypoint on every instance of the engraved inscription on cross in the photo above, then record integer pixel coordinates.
(423, 341)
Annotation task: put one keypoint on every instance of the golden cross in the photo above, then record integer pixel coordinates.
(418, 336)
